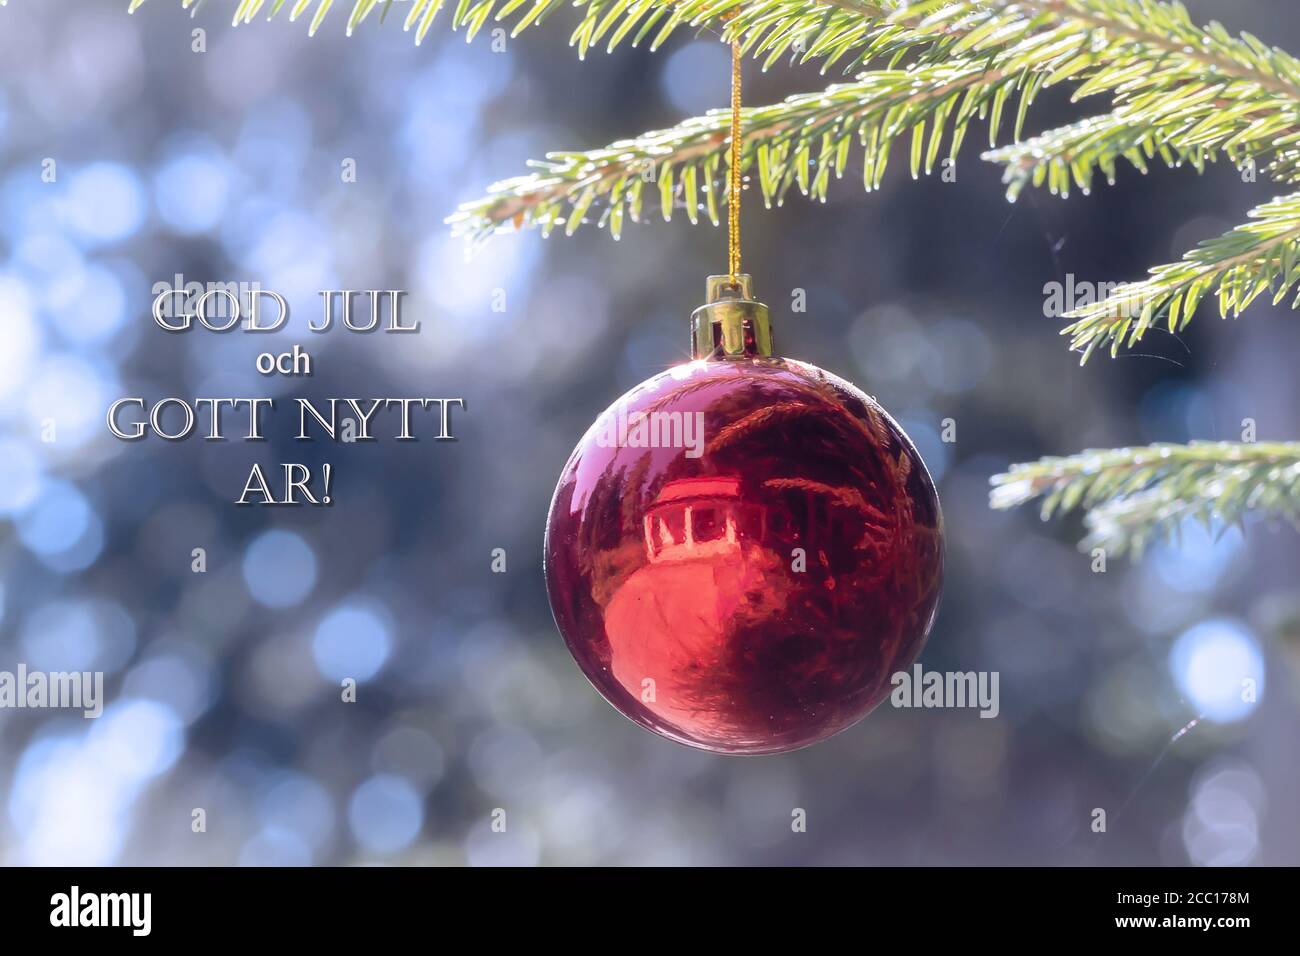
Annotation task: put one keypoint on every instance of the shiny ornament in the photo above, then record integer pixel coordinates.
(744, 549)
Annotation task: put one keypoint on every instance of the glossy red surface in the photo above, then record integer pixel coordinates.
(751, 589)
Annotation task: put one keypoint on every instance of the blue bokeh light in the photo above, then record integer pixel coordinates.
(20, 476)
(279, 569)
(385, 813)
(91, 308)
(191, 191)
(1197, 559)
(694, 76)
(297, 804)
(351, 641)
(1218, 666)
(69, 394)
(61, 636)
(22, 337)
(105, 203)
(51, 262)
(275, 846)
(61, 528)
(141, 738)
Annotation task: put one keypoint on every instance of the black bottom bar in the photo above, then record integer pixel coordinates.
(334, 906)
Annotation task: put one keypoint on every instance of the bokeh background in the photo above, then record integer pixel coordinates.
(222, 687)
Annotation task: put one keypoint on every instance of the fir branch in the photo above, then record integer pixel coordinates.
(1134, 496)
(850, 21)
(855, 31)
(1164, 29)
(1237, 267)
(1156, 59)
(1182, 92)
(1194, 130)
(803, 141)
(1058, 42)
(851, 29)
(848, 32)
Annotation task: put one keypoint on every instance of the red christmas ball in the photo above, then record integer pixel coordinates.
(744, 549)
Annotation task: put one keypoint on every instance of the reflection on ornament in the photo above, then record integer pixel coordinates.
(758, 596)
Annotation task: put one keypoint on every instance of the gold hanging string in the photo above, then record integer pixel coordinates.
(733, 197)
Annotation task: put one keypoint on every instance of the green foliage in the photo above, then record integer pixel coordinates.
(1196, 130)
(1133, 496)
(611, 21)
(1261, 256)
(804, 141)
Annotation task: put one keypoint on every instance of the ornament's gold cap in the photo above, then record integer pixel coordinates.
(731, 324)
